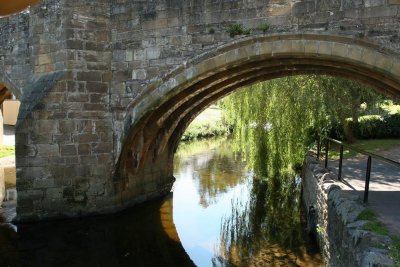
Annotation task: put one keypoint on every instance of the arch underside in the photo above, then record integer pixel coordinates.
(152, 141)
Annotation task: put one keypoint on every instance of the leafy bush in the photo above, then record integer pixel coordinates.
(369, 127)
(202, 130)
(372, 127)
(237, 29)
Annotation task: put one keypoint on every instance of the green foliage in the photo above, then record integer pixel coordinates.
(237, 29)
(209, 123)
(367, 214)
(7, 151)
(275, 122)
(216, 171)
(378, 127)
(395, 250)
(211, 31)
(204, 130)
(376, 227)
(390, 107)
(272, 213)
(264, 27)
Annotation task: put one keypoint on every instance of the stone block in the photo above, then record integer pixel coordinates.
(340, 50)
(44, 59)
(68, 150)
(102, 147)
(54, 193)
(78, 97)
(47, 126)
(30, 195)
(43, 183)
(152, 53)
(369, 57)
(354, 52)
(325, 48)
(67, 126)
(51, 150)
(89, 76)
(85, 138)
(95, 107)
(139, 74)
(84, 149)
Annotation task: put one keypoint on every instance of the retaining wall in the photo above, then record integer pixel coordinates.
(340, 234)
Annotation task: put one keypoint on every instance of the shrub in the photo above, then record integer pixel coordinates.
(237, 29)
(373, 127)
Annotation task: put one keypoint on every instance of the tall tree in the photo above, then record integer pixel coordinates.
(275, 121)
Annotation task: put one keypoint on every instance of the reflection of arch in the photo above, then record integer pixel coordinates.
(142, 236)
(162, 112)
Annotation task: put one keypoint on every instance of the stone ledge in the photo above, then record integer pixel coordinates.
(341, 236)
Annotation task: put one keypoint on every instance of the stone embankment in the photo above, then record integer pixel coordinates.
(339, 232)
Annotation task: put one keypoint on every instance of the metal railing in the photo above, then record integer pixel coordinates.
(369, 161)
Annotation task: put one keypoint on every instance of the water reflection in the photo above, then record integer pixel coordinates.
(143, 236)
(221, 217)
(212, 166)
(247, 221)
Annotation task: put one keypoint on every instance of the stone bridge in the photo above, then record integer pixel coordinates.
(108, 86)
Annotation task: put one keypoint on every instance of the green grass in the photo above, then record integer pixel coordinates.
(374, 145)
(374, 225)
(7, 151)
(367, 215)
(395, 250)
(208, 124)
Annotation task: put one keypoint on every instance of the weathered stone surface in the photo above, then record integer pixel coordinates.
(340, 234)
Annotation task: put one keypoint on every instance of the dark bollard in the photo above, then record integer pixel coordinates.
(311, 221)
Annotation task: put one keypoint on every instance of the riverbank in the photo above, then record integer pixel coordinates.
(341, 221)
(209, 123)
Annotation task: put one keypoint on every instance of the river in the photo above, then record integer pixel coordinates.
(218, 214)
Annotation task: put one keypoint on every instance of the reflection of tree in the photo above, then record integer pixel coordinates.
(266, 229)
(216, 171)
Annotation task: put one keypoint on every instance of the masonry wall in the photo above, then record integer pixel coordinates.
(151, 39)
(340, 234)
(64, 135)
(79, 68)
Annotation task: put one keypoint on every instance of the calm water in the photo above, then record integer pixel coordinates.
(217, 215)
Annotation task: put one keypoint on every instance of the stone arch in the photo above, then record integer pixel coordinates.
(157, 118)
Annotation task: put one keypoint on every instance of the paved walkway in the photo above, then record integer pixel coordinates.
(384, 193)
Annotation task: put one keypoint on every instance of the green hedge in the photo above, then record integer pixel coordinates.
(369, 127)
(374, 127)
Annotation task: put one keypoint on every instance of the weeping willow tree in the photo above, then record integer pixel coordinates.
(272, 122)
(275, 122)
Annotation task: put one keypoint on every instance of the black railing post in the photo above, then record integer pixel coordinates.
(340, 163)
(367, 178)
(326, 153)
(318, 147)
